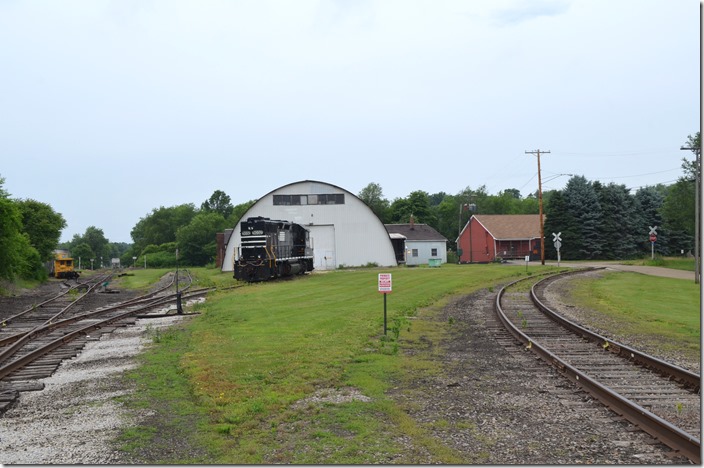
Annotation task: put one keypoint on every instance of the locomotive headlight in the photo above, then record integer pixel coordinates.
(246, 233)
(257, 232)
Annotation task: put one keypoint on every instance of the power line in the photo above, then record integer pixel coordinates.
(639, 175)
(611, 154)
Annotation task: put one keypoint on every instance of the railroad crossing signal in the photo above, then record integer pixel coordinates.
(653, 238)
(557, 241)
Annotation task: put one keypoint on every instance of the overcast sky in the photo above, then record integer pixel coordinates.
(109, 109)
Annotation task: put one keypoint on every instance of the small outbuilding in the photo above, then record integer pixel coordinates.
(344, 231)
(488, 238)
(417, 244)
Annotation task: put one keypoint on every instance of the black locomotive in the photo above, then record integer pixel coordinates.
(272, 249)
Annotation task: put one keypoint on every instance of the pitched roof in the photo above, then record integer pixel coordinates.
(415, 232)
(511, 226)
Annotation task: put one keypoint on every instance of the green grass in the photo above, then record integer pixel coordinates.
(224, 386)
(140, 279)
(676, 263)
(256, 350)
(663, 309)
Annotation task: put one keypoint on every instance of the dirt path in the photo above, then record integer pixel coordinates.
(646, 270)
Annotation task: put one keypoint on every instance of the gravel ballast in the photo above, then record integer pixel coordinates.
(76, 417)
(493, 402)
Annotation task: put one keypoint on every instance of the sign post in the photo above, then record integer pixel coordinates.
(557, 241)
(385, 288)
(179, 307)
(653, 238)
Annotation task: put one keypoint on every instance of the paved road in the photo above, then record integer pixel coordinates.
(646, 270)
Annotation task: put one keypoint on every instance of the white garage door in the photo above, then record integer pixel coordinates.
(323, 240)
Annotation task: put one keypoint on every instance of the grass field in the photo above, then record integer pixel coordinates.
(677, 263)
(647, 305)
(228, 381)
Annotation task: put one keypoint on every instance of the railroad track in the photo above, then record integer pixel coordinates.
(660, 398)
(35, 341)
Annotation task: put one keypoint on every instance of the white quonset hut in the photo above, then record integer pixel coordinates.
(343, 229)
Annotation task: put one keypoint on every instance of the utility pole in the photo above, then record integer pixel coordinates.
(697, 214)
(540, 204)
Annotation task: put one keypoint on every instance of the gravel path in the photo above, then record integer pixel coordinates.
(76, 417)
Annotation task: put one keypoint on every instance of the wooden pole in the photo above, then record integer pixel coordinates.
(540, 204)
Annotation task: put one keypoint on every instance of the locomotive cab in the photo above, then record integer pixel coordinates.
(272, 248)
(63, 266)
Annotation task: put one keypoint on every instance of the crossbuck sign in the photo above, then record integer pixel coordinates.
(557, 241)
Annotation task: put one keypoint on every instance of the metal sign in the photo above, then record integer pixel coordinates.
(653, 231)
(556, 237)
(384, 283)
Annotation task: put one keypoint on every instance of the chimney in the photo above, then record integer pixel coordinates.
(412, 222)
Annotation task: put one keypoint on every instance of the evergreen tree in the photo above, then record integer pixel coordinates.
(617, 229)
(649, 201)
(678, 216)
(583, 203)
(559, 219)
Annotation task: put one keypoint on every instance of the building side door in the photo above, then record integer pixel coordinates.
(323, 240)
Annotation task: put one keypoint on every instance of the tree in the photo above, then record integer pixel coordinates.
(416, 204)
(677, 212)
(160, 226)
(43, 226)
(10, 238)
(583, 203)
(82, 253)
(96, 241)
(559, 219)
(17, 256)
(694, 142)
(617, 229)
(196, 241)
(649, 201)
(219, 202)
(238, 212)
(373, 196)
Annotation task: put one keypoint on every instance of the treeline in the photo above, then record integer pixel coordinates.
(156, 237)
(595, 221)
(29, 232)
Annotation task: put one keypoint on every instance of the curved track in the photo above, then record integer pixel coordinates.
(660, 398)
(35, 341)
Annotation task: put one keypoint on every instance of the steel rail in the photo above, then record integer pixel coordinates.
(667, 433)
(41, 304)
(43, 350)
(17, 341)
(687, 378)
